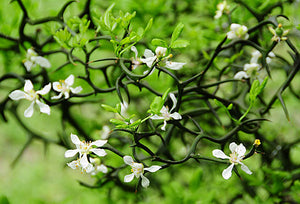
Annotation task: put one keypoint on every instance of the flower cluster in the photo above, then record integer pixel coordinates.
(279, 34)
(64, 87)
(254, 68)
(159, 56)
(236, 157)
(32, 59)
(85, 162)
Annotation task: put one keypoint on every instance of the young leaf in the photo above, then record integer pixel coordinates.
(177, 31)
(109, 108)
(180, 44)
(159, 42)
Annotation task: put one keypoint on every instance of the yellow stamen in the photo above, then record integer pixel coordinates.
(257, 142)
(279, 25)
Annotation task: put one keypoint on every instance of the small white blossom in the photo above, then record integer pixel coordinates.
(236, 157)
(238, 31)
(98, 167)
(136, 61)
(76, 164)
(137, 170)
(84, 148)
(149, 58)
(31, 95)
(250, 70)
(256, 55)
(221, 8)
(32, 59)
(166, 115)
(64, 87)
(105, 132)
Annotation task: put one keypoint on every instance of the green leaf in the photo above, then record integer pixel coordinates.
(149, 25)
(109, 108)
(156, 105)
(177, 31)
(117, 122)
(165, 95)
(180, 44)
(106, 19)
(159, 42)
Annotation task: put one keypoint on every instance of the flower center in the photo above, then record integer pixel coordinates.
(31, 95)
(137, 169)
(85, 147)
(234, 158)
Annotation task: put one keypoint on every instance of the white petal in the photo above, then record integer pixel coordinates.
(164, 126)
(67, 95)
(17, 95)
(28, 86)
(133, 49)
(227, 172)
(76, 90)
(255, 56)
(83, 161)
(149, 61)
(148, 53)
(233, 146)
(71, 153)
(75, 139)
(128, 160)
(89, 168)
(57, 86)
(160, 51)
(174, 65)
(231, 35)
(43, 62)
(153, 168)
(31, 52)
(70, 80)
(176, 116)
(45, 90)
(28, 64)
(74, 164)
(240, 150)
(58, 96)
(102, 168)
(234, 26)
(174, 100)
(145, 181)
(29, 111)
(99, 152)
(99, 143)
(219, 154)
(128, 178)
(245, 168)
(44, 108)
(156, 117)
(241, 75)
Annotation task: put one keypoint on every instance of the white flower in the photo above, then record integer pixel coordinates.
(64, 87)
(221, 8)
(166, 114)
(238, 31)
(105, 132)
(149, 58)
(252, 69)
(137, 170)
(161, 52)
(30, 94)
(135, 61)
(236, 156)
(85, 148)
(32, 59)
(76, 164)
(241, 75)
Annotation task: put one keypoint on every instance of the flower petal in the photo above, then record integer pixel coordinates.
(233, 146)
(75, 139)
(241, 75)
(227, 172)
(176, 116)
(145, 181)
(28, 86)
(45, 90)
(102, 168)
(174, 65)
(133, 49)
(174, 100)
(128, 160)
(219, 154)
(240, 150)
(99, 143)
(164, 126)
(89, 168)
(148, 53)
(84, 161)
(76, 90)
(71, 153)
(245, 169)
(44, 108)
(67, 95)
(99, 152)
(29, 111)
(74, 164)
(70, 80)
(17, 95)
(43, 62)
(28, 65)
(57, 86)
(153, 168)
(58, 96)
(156, 117)
(128, 178)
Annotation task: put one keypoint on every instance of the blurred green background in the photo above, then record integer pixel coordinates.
(41, 175)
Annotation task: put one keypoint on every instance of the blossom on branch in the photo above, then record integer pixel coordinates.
(84, 149)
(30, 94)
(137, 170)
(236, 156)
(32, 59)
(166, 115)
(221, 8)
(64, 87)
(238, 31)
(279, 34)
